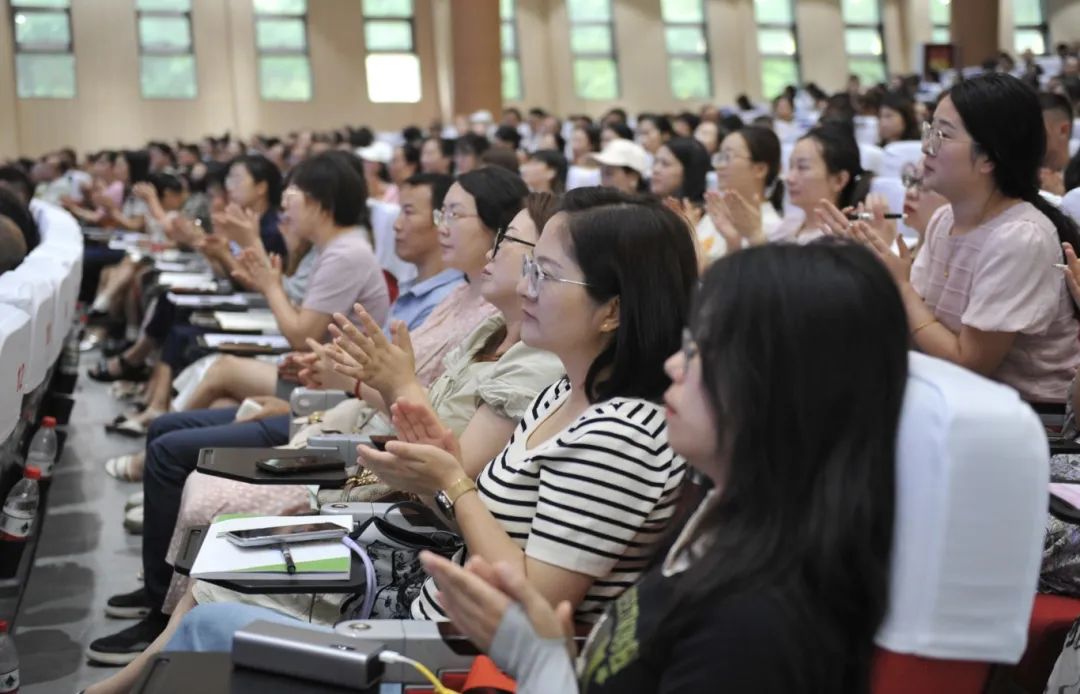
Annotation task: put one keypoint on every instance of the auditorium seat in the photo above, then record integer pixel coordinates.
(1071, 204)
(15, 330)
(866, 130)
(893, 190)
(581, 177)
(900, 154)
(64, 265)
(36, 296)
(971, 500)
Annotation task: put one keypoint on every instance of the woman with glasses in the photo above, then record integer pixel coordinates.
(748, 206)
(779, 580)
(920, 203)
(987, 291)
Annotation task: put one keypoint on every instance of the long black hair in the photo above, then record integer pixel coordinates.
(899, 102)
(841, 153)
(1004, 119)
(764, 147)
(782, 337)
(634, 248)
(696, 164)
(499, 195)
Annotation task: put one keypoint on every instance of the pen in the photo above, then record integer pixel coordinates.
(290, 565)
(869, 216)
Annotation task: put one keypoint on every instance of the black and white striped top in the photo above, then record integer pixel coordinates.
(592, 499)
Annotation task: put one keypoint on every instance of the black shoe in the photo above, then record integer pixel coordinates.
(128, 371)
(112, 347)
(123, 647)
(133, 605)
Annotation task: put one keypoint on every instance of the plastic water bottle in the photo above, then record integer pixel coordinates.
(17, 521)
(42, 453)
(9, 661)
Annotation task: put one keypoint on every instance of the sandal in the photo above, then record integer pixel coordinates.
(132, 425)
(123, 468)
(128, 371)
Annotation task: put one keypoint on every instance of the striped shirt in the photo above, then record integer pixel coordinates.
(593, 499)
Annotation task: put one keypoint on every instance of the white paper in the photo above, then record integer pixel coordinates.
(197, 300)
(218, 556)
(259, 320)
(214, 340)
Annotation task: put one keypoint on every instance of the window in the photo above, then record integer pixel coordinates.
(592, 45)
(282, 47)
(166, 55)
(1029, 26)
(863, 40)
(940, 19)
(511, 58)
(44, 60)
(393, 70)
(687, 48)
(776, 45)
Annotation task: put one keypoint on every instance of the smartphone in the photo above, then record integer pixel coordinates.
(300, 464)
(379, 442)
(287, 534)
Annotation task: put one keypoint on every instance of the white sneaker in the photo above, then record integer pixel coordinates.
(133, 520)
(134, 500)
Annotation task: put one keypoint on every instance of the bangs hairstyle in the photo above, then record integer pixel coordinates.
(437, 184)
(335, 182)
(815, 337)
(262, 170)
(499, 195)
(764, 148)
(696, 165)
(634, 248)
(838, 148)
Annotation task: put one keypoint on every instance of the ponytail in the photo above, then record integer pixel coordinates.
(1066, 227)
(776, 196)
(856, 190)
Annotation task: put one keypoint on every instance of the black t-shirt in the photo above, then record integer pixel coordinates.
(762, 641)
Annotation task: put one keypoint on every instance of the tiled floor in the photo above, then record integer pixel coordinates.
(84, 555)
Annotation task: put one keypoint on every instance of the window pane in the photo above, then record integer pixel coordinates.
(776, 41)
(45, 76)
(862, 41)
(170, 5)
(589, 10)
(280, 34)
(1029, 38)
(590, 39)
(777, 74)
(393, 78)
(870, 70)
(509, 44)
(506, 9)
(682, 10)
(940, 35)
(1027, 12)
(861, 11)
(388, 8)
(285, 78)
(685, 40)
(393, 35)
(939, 12)
(511, 79)
(689, 78)
(596, 78)
(165, 33)
(167, 77)
(280, 6)
(42, 28)
(773, 11)
(42, 3)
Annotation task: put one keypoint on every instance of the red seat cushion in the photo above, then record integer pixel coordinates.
(896, 673)
(391, 285)
(1051, 619)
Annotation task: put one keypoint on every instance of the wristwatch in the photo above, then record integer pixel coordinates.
(446, 498)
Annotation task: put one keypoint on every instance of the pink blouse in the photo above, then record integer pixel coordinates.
(1001, 277)
(446, 327)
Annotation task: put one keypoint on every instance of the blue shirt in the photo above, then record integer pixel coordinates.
(416, 300)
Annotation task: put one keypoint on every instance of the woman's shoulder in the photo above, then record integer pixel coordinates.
(632, 421)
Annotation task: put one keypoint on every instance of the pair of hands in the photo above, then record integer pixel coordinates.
(237, 224)
(876, 235)
(477, 596)
(255, 268)
(424, 460)
(368, 356)
(736, 219)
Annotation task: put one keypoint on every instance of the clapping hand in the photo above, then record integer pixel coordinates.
(380, 363)
(238, 224)
(260, 271)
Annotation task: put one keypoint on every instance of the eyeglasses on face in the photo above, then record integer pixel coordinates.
(933, 138)
(445, 217)
(689, 350)
(501, 236)
(534, 275)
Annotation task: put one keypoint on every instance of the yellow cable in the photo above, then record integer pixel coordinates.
(392, 657)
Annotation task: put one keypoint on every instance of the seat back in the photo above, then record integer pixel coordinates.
(900, 154)
(14, 350)
(581, 177)
(36, 296)
(871, 157)
(893, 190)
(64, 265)
(971, 500)
(866, 130)
(383, 216)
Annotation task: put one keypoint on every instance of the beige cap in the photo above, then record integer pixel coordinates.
(622, 152)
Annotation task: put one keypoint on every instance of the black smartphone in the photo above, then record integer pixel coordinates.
(289, 534)
(379, 441)
(304, 463)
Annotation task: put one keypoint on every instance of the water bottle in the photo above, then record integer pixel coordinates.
(17, 521)
(9, 661)
(42, 453)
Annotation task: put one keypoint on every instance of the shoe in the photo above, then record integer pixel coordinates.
(128, 371)
(113, 347)
(124, 468)
(134, 500)
(133, 605)
(125, 646)
(133, 520)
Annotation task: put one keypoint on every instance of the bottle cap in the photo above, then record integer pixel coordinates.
(3, 626)
(49, 422)
(32, 472)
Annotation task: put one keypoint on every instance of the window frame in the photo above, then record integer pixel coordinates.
(705, 57)
(515, 55)
(19, 48)
(160, 52)
(1043, 27)
(612, 55)
(796, 57)
(878, 27)
(305, 53)
(369, 52)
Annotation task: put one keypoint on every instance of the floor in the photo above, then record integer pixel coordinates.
(84, 555)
